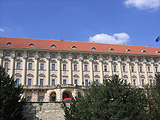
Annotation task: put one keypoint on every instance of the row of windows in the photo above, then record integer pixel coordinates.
(64, 56)
(85, 67)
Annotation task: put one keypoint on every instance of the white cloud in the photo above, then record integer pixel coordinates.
(1, 30)
(117, 38)
(143, 4)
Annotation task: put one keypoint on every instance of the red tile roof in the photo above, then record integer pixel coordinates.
(80, 46)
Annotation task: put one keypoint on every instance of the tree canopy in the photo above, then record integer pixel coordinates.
(11, 104)
(112, 100)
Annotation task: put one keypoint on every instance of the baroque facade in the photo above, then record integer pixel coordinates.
(51, 70)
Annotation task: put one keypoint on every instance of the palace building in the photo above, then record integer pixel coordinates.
(51, 70)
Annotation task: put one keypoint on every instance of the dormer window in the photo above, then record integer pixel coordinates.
(157, 51)
(9, 43)
(31, 45)
(74, 47)
(111, 49)
(143, 51)
(128, 50)
(93, 48)
(53, 46)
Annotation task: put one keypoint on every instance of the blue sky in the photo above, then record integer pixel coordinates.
(132, 22)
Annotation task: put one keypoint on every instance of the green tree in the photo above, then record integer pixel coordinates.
(112, 100)
(11, 104)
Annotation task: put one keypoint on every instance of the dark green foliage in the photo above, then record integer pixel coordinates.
(10, 105)
(112, 100)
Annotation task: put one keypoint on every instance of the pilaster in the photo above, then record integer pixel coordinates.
(81, 70)
(1, 58)
(12, 63)
(59, 68)
(110, 66)
(91, 68)
(24, 68)
(48, 69)
(119, 67)
(101, 69)
(128, 69)
(35, 82)
(70, 69)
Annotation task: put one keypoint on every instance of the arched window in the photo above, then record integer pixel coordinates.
(31, 45)
(93, 48)
(53, 46)
(9, 43)
(74, 47)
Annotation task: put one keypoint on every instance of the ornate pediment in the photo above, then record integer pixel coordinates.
(142, 76)
(86, 76)
(53, 75)
(85, 62)
(41, 75)
(18, 75)
(64, 61)
(30, 75)
(6, 59)
(97, 76)
(30, 60)
(150, 76)
(53, 61)
(125, 76)
(134, 76)
(75, 76)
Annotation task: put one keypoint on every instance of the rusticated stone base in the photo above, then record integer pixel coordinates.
(43, 111)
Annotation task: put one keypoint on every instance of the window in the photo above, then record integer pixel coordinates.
(53, 46)
(132, 68)
(150, 82)
(64, 56)
(42, 55)
(111, 49)
(156, 69)
(64, 82)
(85, 57)
(53, 82)
(134, 82)
(53, 56)
(30, 54)
(18, 66)
(143, 51)
(85, 68)
(30, 66)
(6, 65)
(96, 81)
(64, 67)
(9, 43)
(17, 81)
(41, 98)
(75, 67)
(31, 45)
(7, 54)
(131, 59)
(140, 69)
(42, 66)
(29, 82)
(95, 57)
(95, 68)
(113, 58)
(157, 51)
(53, 66)
(19, 54)
(125, 81)
(128, 50)
(86, 83)
(28, 99)
(74, 56)
(93, 48)
(41, 82)
(104, 58)
(147, 59)
(139, 59)
(149, 69)
(155, 59)
(74, 47)
(114, 68)
(142, 82)
(123, 59)
(124, 68)
(105, 68)
(75, 81)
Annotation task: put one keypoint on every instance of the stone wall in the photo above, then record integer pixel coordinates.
(43, 111)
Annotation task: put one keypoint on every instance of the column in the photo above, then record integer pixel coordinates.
(12, 63)
(101, 70)
(153, 67)
(129, 72)
(48, 69)
(70, 69)
(146, 74)
(81, 70)
(110, 66)
(137, 72)
(59, 69)
(35, 82)
(34, 96)
(59, 95)
(24, 68)
(1, 58)
(91, 68)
